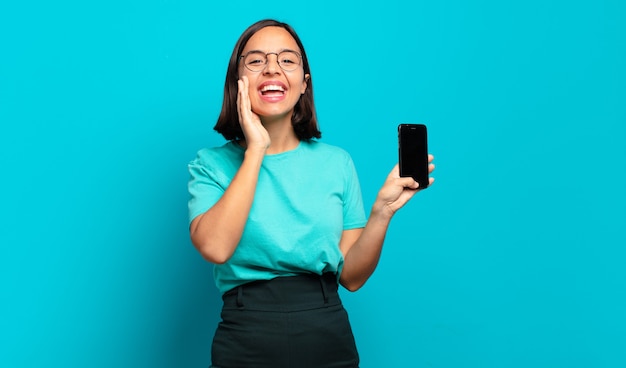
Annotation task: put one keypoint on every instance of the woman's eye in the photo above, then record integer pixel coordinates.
(288, 58)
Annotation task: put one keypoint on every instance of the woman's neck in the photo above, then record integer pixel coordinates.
(282, 136)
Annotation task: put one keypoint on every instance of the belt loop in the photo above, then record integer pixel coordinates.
(324, 289)
(240, 297)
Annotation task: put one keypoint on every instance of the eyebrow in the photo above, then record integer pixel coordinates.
(263, 52)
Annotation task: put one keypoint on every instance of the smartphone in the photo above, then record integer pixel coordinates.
(413, 152)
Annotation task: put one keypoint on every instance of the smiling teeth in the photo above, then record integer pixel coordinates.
(272, 88)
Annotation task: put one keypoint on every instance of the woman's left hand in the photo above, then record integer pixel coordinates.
(397, 191)
(361, 247)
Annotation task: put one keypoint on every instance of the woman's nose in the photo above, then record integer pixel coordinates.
(272, 66)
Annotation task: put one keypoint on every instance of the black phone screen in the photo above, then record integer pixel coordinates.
(413, 152)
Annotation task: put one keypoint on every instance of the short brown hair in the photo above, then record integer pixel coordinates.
(303, 120)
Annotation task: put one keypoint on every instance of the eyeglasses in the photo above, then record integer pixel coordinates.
(256, 61)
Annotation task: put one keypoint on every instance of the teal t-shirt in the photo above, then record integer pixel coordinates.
(304, 199)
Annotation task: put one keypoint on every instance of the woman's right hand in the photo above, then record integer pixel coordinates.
(217, 232)
(255, 133)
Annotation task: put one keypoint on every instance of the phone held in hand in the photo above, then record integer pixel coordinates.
(413, 152)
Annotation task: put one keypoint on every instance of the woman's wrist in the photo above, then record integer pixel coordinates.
(381, 211)
(254, 151)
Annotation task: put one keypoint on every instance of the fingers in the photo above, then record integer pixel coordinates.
(407, 182)
(395, 172)
(403, 181)
(255, 134)
(243, 99)
(431, 166)
(244, 106)
(240, 87)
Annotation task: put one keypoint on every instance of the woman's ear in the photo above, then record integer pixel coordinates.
(305, 83)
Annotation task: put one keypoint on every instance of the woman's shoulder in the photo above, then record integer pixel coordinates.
(218, 155)
(325, 148)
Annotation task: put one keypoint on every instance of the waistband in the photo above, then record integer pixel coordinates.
(285, 293)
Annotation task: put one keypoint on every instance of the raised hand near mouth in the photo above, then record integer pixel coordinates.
(255, 133)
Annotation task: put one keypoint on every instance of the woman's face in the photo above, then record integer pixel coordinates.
(273, 92)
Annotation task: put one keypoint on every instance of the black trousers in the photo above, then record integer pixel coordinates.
(287, 322)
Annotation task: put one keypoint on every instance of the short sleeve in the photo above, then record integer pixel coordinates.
(353, 211)
(204, 188)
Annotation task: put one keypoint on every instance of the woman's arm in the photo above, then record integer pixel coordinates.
(217, 232)
(361, 248)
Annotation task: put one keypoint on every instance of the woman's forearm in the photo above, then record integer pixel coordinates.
(362, 249)
(217, 232)
(362, 257)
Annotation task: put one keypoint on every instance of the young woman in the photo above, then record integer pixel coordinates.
(280, 214)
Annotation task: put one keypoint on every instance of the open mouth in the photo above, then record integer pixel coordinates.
(272, 90)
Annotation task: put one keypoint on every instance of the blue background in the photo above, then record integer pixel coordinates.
(515, 258)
